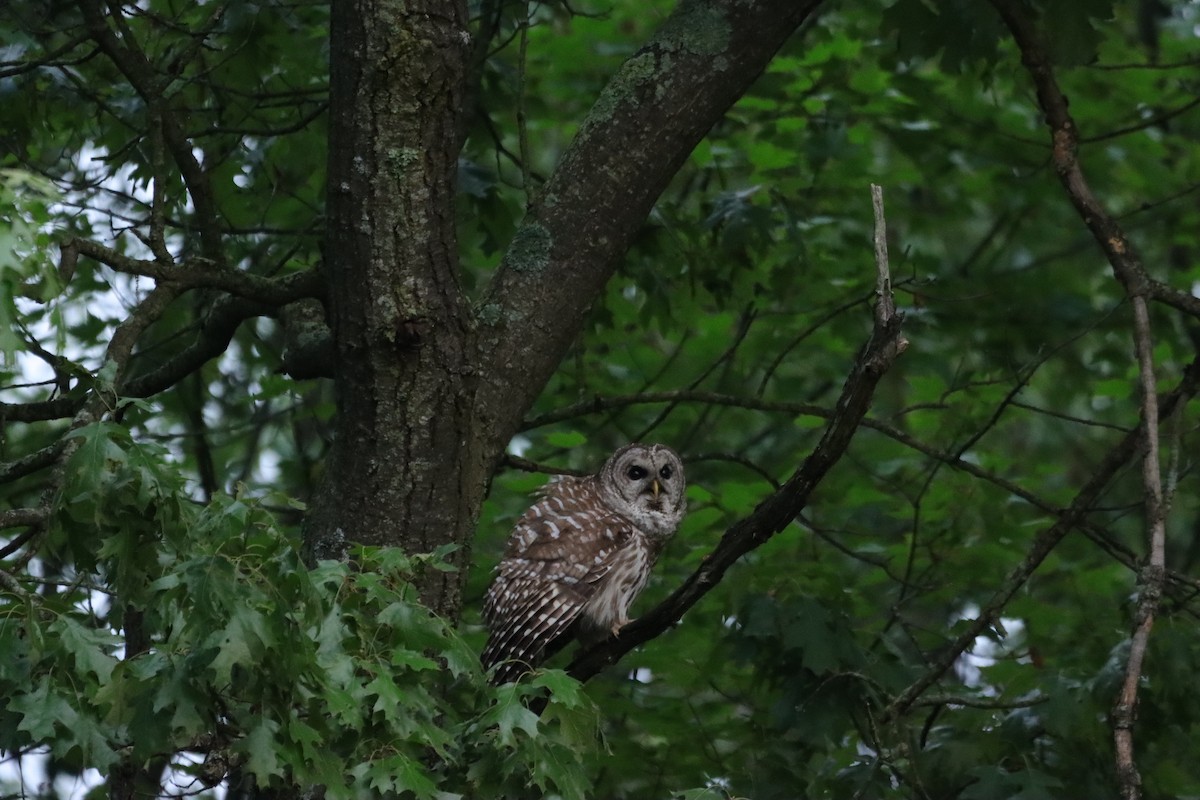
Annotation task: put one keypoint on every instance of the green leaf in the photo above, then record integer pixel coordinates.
(566, 691)
(408, 659)
(510, 714)
(388, 695)
(261, 750)
(399, 773)
(566, 439)
(239, 643)
(41, 710)
(87, 646)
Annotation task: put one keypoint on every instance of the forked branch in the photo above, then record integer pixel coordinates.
(1129, 270)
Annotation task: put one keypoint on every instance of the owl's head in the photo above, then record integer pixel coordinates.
(644, 483)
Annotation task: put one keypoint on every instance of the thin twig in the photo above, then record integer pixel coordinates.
(601, 404)
(525, 465)
(980, 702)
(522, 113)
(199, 273)
(7, 581)
(1045, 541)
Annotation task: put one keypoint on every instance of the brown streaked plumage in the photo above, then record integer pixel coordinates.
(578, 557)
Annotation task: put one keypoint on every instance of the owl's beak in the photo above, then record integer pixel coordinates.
(655, 487)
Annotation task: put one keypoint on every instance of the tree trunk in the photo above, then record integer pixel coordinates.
(403, 470)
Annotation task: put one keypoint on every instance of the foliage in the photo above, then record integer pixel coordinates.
(161, 613)
(276, 670)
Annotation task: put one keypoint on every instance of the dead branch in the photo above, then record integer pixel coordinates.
(1152, 575)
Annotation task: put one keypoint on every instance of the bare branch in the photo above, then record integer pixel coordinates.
(1152, 574)
(522, 111)
(23, 538)
(735, 458)
(1121, 255)
(7, 581)
(125, 53)
(980, 702)
(779, 509)
(40, 410)
(600, 404)
(1129, 270)
(525, 465)
(211, 340)
(885, 302)
(201, 273)
(14, 517)
(31, 463)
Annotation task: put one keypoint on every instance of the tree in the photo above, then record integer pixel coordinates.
(305, 300)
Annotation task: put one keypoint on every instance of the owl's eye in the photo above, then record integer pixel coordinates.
(636, 473)
(666, 472)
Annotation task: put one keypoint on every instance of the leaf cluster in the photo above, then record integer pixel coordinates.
(183, 629)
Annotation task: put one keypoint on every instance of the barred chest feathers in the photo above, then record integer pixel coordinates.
(607, 610)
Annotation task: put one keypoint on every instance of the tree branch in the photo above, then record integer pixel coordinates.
(201, 273)
(142, 75)
(307, 354)
(28, 464)
(14, 517)
(599, 405)
(1121, 255)
(525, 465)
(1152, 574)
(779, 509)
(657, 107)
(40, 410)
(212, 340)
(980, 702)
(1045, 541)
(1128, 268)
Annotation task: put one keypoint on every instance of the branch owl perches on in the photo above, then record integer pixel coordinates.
(578, 557)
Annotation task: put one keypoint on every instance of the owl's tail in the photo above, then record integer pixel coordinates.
(510, 660)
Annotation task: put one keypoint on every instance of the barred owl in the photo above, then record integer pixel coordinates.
(579, 556)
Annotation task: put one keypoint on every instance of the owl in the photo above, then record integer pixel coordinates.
(579, 556)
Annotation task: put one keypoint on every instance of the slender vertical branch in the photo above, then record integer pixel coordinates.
(885, 303)
(1128, 268)
(1074, 515)
(1124, 711)
(156, 239)
(522, 113)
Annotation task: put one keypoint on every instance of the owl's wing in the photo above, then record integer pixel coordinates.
(558, 552)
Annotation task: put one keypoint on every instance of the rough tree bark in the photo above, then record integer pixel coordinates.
(402, 470)
(430, 390)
